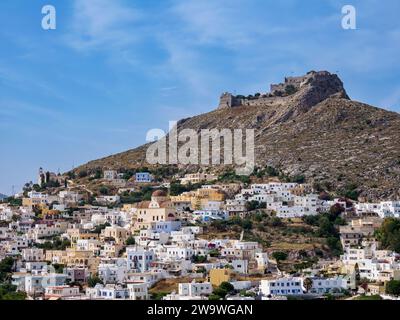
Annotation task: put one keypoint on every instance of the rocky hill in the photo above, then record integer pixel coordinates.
(307, 126)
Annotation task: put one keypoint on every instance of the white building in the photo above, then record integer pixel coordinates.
(179, 253)
(138, 259)
(330, 285)
(383, 209)
(33, 254)
(143, 177)
(194, 178)
(282, 286)
(286, 212)
(108, 199)
(194, 289)
(113, 273)
(62, 292)
(110, 174)
(240, 266)
(138, 291)
(373, 264)
(37, 283)
(108, 292)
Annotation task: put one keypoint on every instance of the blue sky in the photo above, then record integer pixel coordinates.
(113, 69)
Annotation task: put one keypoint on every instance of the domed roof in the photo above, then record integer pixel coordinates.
(159, 193)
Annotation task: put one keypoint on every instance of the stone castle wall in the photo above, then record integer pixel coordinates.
(326, 82)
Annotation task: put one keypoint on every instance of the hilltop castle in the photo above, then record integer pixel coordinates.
(321, 83)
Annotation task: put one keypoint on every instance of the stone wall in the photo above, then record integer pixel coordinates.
(311, 88)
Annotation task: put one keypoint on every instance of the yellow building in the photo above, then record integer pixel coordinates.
(75, 234)
(32, 202)
(200, 197)
(198, 178)
(73, 258)
(217, 276)
(128, 207)
(376, 288)
(158, 209)
(301, 189)
(119, 234)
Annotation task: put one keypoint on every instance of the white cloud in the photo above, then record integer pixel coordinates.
(223, 22)
(102, 24)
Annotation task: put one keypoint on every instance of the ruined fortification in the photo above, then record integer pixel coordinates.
(308, 89)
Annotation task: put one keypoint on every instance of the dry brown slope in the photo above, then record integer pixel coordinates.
(317, 132)
(338, 141)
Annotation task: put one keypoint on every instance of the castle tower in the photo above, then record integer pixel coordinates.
(41, 177)
(226, 101)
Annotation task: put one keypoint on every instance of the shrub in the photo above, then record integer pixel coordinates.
(290, 89)
(389, 234)
(93, 280)
(393, 287)
(279, 256)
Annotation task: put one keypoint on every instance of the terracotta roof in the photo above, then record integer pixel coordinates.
(159, 193)
(143, 205)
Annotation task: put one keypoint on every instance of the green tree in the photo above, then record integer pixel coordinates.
(271, 171)
(214, 253)
(158, 295)
(393, 287)
(326, 227)
(100, 227)
(290, 89)
(199, 259)
(334, 245)
(59, 268)
(6, 267)
(247, 224)
(220, 292)
(130, 241)
(93, 280)
(8, 292)
(228, 287)
(335, 211)
(104, 190)
(357, 274)
(252, 205)
(279, 256)
(389, 234)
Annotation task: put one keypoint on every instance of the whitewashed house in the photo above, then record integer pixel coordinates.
(282, 286)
